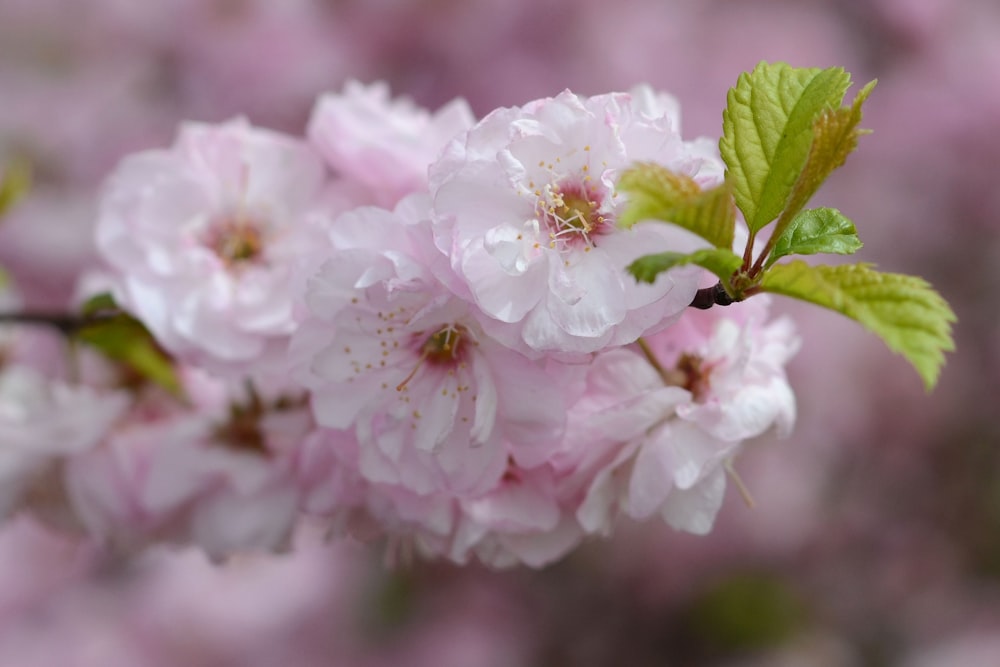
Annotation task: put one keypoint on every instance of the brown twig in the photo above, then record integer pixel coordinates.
(66, 323)
(707, 297)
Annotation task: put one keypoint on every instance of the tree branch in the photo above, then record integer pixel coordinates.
(707, 297)
(66, 323)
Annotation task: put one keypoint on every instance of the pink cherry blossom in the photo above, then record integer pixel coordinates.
(733, 362)
(42, 421)
(384, 144)
(204, 237)
(389, 353)
(525, 206)
(223, 477)
(720, 381)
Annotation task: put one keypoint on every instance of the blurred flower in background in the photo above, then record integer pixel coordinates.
(875, 536)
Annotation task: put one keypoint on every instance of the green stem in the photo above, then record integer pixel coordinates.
(748, 251)
(780, 226)
(758, 266)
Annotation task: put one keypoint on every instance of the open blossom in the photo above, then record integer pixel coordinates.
(223, 476)
(222, 504)
(42, 421)
(722, 381)
(391, 355)
(383, 144)
(205, 235)
(525, 207)
(733, 363)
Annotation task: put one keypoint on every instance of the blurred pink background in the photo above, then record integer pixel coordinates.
(875, 539)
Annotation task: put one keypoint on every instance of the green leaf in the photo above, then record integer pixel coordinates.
(835, 136)
(904, 311)
(817, 230)
(124, 339)
(720, 261)
(657, 193)
(768, 130)
(99, 303)
(15, 183)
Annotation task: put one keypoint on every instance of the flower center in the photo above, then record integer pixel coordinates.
(695, 375)
(236, 241)
(242, 430)
(445, 347)
(575, 212)
(572, 212)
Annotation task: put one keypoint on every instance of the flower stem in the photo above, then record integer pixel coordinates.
(654, 362)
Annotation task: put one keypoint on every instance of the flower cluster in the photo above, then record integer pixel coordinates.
(408, 324)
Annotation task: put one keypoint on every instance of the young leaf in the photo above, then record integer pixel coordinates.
(720, 261)
(835, 136)
(904, 311)
(124, 339)
(657, 193)
(768, 130)
(14, 184)
(817, 230)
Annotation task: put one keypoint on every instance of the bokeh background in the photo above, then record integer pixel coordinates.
(875, 539)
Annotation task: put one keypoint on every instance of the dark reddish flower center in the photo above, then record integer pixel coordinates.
(446, 347)
(695, 375)
(573, 212)
(242, 430)
(236, 241)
